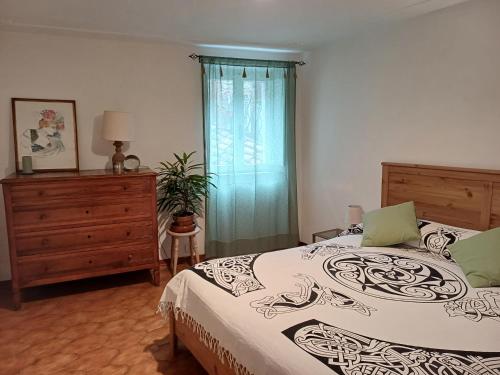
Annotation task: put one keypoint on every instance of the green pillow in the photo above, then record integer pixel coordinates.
(479, 258)
(390, 225)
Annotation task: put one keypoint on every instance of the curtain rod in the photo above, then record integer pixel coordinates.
(195, 56)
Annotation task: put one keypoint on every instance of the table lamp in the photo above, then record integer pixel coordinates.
(117, 127)
(354, 215)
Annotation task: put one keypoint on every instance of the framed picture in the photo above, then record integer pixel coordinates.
(45, 129)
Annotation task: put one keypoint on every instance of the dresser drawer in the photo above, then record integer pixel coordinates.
(77, 238)
(27, 194)
(40, 216)
(74, 266)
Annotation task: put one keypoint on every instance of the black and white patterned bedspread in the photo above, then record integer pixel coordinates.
(335, 308)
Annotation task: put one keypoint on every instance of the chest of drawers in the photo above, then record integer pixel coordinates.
(72, 225)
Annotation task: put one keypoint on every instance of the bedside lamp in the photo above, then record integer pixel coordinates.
(354, 215)
(117, 127)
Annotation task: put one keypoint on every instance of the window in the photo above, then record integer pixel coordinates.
(249, 140)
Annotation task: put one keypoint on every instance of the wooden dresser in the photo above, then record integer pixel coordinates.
(72, 225)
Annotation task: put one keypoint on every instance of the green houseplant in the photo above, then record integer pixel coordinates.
(181, 190)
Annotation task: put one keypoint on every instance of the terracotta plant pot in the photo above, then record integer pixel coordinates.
(183, 224)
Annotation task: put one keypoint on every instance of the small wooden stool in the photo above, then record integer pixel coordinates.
(193, 248)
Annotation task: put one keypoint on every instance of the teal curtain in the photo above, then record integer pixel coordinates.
(249, 128)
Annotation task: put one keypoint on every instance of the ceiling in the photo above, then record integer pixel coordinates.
(290, 24)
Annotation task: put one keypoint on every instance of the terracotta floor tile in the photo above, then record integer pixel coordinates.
(102, 326)
(113, 370)
(125, 339)
(153, 336)
(160, 352)
(10, 349)
(159, 323)
(144, 367)
(92, 362)
(47, 348)
(9, 334)
(86, 344)
(79, 330)
(41, 321)
(131, 356)
(106, 315)
(50, 365)
(73, 319)
(15, 363)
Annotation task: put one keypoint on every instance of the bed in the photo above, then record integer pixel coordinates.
(336, 308)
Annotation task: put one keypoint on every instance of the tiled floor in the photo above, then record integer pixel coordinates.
(97, 326)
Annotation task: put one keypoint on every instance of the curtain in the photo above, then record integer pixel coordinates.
(249, 130)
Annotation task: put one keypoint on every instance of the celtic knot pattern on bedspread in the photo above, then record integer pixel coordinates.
(310, 293)
(395, 277)
(234, 275)
(349, 353)
(486, 305)
(311, 251)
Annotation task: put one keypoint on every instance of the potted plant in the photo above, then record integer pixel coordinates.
(181, 191)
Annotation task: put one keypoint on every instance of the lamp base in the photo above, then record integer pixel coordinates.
(118, 157)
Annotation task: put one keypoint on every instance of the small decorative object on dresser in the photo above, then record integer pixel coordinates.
(131, 163)
(45, 129)
(27, 165)
(182, 191)
(72, 225)
(117, 127)
(326, 234)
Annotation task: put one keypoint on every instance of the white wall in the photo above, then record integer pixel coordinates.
(154, 81)
(424, 91)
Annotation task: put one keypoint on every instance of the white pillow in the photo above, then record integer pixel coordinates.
(436, 237)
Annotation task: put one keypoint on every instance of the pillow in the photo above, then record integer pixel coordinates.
(390, 225)
(479, 258)
(436, 237)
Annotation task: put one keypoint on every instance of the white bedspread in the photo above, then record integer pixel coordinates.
(335, 308)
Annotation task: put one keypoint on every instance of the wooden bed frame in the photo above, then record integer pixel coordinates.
(463, 197)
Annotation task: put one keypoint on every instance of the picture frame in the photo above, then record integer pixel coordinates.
(46, 130)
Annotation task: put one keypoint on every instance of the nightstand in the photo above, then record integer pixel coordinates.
(326, 234)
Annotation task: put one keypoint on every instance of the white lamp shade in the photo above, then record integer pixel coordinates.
(354, 214)
(117, 126)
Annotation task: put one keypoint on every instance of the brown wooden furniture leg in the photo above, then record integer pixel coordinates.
(16, 298)
(174, 254)
(191, 250)
(194, 248)
(155, 275)
(172, 344)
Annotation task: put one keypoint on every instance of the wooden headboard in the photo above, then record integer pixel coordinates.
(464, 197)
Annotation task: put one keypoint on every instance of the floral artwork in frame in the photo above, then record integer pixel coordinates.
(46, 130)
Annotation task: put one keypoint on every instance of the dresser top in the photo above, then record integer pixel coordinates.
(83, 174)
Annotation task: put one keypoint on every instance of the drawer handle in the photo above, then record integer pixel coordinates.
(128, 233)
(125, 188)
(43, 216)
(129, 257)
(89, 236)
(87, 212)
(126, 209)
(90, 261)
(40, 193)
